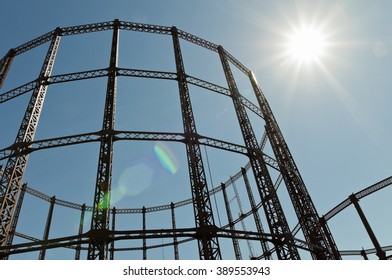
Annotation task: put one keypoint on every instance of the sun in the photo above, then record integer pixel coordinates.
(306, 45)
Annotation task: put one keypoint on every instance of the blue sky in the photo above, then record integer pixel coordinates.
(334, 113)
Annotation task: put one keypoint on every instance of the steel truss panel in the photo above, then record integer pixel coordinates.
(35, 42)
(141, 27)
(198, 41)
(87, 28)
(361, 194)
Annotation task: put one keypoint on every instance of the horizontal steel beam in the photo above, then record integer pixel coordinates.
(197, 41)
(18, 91)
(34, 43)
(87, 28)
(142, 27)
(367, 251)
(361, 194)
(98, 73)
(124, 235)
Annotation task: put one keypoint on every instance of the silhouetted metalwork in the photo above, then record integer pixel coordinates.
(273, 210)
(98, 247)
(47, 228)
(11, 181)
(99, 240)
(379, 252)
(204, 219)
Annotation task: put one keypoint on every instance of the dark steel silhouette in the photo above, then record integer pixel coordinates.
(100, 239)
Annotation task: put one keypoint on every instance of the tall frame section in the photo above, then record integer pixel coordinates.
(11, 181)
(99, 233)
(204, 219)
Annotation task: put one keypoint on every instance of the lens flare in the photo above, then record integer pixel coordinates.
(166, 157)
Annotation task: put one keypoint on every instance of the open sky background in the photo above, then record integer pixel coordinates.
(335, 114)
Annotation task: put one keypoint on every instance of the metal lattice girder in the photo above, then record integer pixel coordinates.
(11, 180)
(367, 251)
(87, 28)
(276, 219)
(142, 27)
(373, 188)
(91, 74)
(18, 91)
(198, 41)
(71, 241)
(207, 85)
(204, 219)
(361, 194)
(98, 245)
(225, 91)
(236, 63)
(147, 74)
(306, 212)
(35, 42)
(29, 147)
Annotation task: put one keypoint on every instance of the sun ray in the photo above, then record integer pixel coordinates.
(360, 116)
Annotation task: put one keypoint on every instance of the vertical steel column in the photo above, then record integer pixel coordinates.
(364, 255)
(11, 180)
(15, 218)
(5, 65)
(144, 234)
(175, 242)
(237, 196)
(256, 216)
(236, 245)
(302, 203)
(78, 247)
(204, 219)
(47, 228)
(284, 241)
(16, 214)
(329, 237)
(98, 246)
(379, 251)
(113, 229)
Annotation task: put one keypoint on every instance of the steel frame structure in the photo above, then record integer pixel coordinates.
(100, 238)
